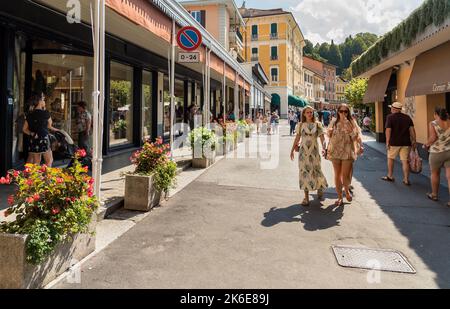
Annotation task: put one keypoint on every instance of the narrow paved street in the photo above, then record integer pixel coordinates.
(239, 226)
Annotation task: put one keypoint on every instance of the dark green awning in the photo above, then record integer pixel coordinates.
(276, 100)
(297, 101)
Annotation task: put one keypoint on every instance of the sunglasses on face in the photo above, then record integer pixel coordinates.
(343, 112)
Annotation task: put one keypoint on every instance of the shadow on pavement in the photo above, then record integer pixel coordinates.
(314, 217)
(424, 223)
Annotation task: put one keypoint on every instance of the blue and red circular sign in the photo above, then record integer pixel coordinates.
(189, 38)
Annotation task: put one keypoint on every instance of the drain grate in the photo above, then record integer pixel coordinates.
(373, 259)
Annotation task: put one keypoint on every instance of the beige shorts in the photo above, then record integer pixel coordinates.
(439, 160)
(395, 151)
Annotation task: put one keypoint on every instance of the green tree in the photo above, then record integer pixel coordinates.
(334, 56)
(309, 48)
(355, 91)
(324, 50)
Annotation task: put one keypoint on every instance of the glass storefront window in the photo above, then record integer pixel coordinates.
(121, 105)
(146, 105)
(66, 82)
(18, 145)
(179, 106)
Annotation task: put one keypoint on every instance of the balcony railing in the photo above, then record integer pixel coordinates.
(274, 36)
(274, 57)
(254, 58)
(254, 37)
(236, 38)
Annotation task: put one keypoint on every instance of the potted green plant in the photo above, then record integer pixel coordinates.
(243, 129)
(203, 143)
(154, 175)
(120, 129)
(50, 224)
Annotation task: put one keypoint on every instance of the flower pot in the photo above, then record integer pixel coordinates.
(17, 273)
(140, 193)
(204, 162)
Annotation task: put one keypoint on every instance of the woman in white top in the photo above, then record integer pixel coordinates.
(439, 148)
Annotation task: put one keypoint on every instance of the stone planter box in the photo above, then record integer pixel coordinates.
(140, 193)
(17, 273)
(204, 162)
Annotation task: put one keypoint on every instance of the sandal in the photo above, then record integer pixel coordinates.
(320, 195)
(432, 197)
(339, 203)
(305, 203)
(349, 197)
(388, 179)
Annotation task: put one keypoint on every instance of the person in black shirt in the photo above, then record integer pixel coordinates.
(37, 125)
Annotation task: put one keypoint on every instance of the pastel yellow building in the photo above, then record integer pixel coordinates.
(274, 38)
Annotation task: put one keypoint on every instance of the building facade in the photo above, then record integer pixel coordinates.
(415, 73)
(43, 53)
(341, 83)
(222, 19)
(328, 72)
(274, 38)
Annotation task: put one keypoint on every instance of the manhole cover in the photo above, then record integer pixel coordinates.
(373, 259)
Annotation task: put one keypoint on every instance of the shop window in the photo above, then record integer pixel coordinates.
(18, 141)
(121, 105)
(66, 82)
(179, 107)
(147, 94)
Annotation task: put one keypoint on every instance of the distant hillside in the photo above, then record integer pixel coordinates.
(343, 54)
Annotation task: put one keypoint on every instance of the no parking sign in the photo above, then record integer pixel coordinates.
(189, 38)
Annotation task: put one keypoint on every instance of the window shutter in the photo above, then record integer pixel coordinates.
(274, 52)
(254, 30)
(273, 28)
(203, 18)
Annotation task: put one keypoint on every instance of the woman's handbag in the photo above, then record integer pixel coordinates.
(415, 162)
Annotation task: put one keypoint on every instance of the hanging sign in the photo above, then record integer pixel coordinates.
(189, 38)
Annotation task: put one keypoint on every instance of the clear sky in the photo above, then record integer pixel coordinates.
(323, 20)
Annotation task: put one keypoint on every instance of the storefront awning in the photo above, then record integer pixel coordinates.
(431, 72)
(296, 101)
(276, 100)
(376, 89)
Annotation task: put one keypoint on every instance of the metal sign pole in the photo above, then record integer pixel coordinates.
(172, 89)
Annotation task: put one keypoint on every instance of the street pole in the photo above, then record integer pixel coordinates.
(224, 95)
(95, 23)
(172, 89)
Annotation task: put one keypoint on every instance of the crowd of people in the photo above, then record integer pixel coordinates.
(345, 145)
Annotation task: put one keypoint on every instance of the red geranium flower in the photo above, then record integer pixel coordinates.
(59, 180)
(30, 182)
(36, 197)
(55, 211)
(10, 200)
(81, 153)
(29, 200)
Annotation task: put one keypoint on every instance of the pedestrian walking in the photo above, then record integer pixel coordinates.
(275, 122)
(439, 147)
(400, 138)
(311, 177)
(37, 125)
(292, 122)
(342, 151)
(326, 118)
(258, 122)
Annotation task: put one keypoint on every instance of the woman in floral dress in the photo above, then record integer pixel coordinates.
(311, 177)
(344, 146)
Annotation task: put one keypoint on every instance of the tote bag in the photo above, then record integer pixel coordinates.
(415, 162)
